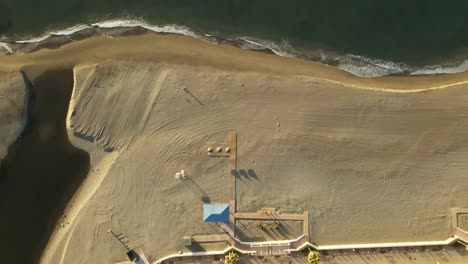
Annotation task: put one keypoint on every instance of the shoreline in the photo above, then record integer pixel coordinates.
(179, 49)
(352, 63)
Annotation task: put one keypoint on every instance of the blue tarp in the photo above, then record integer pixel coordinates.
(216, 213)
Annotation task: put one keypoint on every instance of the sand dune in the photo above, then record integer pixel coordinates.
(115, 126)
(13, 109)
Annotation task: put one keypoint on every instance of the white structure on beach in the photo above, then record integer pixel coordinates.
(181, 175)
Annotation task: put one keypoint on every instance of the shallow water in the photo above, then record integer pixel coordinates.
(40, 173)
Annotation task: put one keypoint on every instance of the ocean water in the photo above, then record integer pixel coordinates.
(365, 37)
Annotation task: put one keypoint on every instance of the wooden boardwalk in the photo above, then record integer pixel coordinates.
(233, 171)
(232, 183)
(272, 216)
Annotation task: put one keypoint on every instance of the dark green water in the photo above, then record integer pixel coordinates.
(40, 173)
(415, 32)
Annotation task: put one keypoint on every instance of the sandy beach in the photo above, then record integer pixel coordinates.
(372, 159)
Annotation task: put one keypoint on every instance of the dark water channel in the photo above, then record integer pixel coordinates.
(41, 171)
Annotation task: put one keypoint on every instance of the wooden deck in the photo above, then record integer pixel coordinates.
(278, 216)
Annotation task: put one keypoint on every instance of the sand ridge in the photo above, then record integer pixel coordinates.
(116, 131)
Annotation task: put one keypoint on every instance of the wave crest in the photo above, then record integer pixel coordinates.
(367, 67)
(171, 29)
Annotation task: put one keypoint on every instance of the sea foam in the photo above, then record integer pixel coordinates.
(174, 29)
(283, 49)
(442, 69)
(367, 67)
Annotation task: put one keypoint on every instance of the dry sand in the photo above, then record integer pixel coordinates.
(13, 109)
(372, 160)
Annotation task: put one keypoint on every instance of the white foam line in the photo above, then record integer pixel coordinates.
(175, 29)
(367, 67)
(263, 44)
(440, 69)
(63, 32)
(110, 24)
(70, 30)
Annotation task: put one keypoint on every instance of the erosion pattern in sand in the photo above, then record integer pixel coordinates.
(369, 166)
(13, 104)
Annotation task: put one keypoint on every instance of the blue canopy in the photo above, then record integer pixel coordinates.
(216, 213)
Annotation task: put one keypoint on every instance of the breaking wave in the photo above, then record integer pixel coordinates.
(354, 64)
